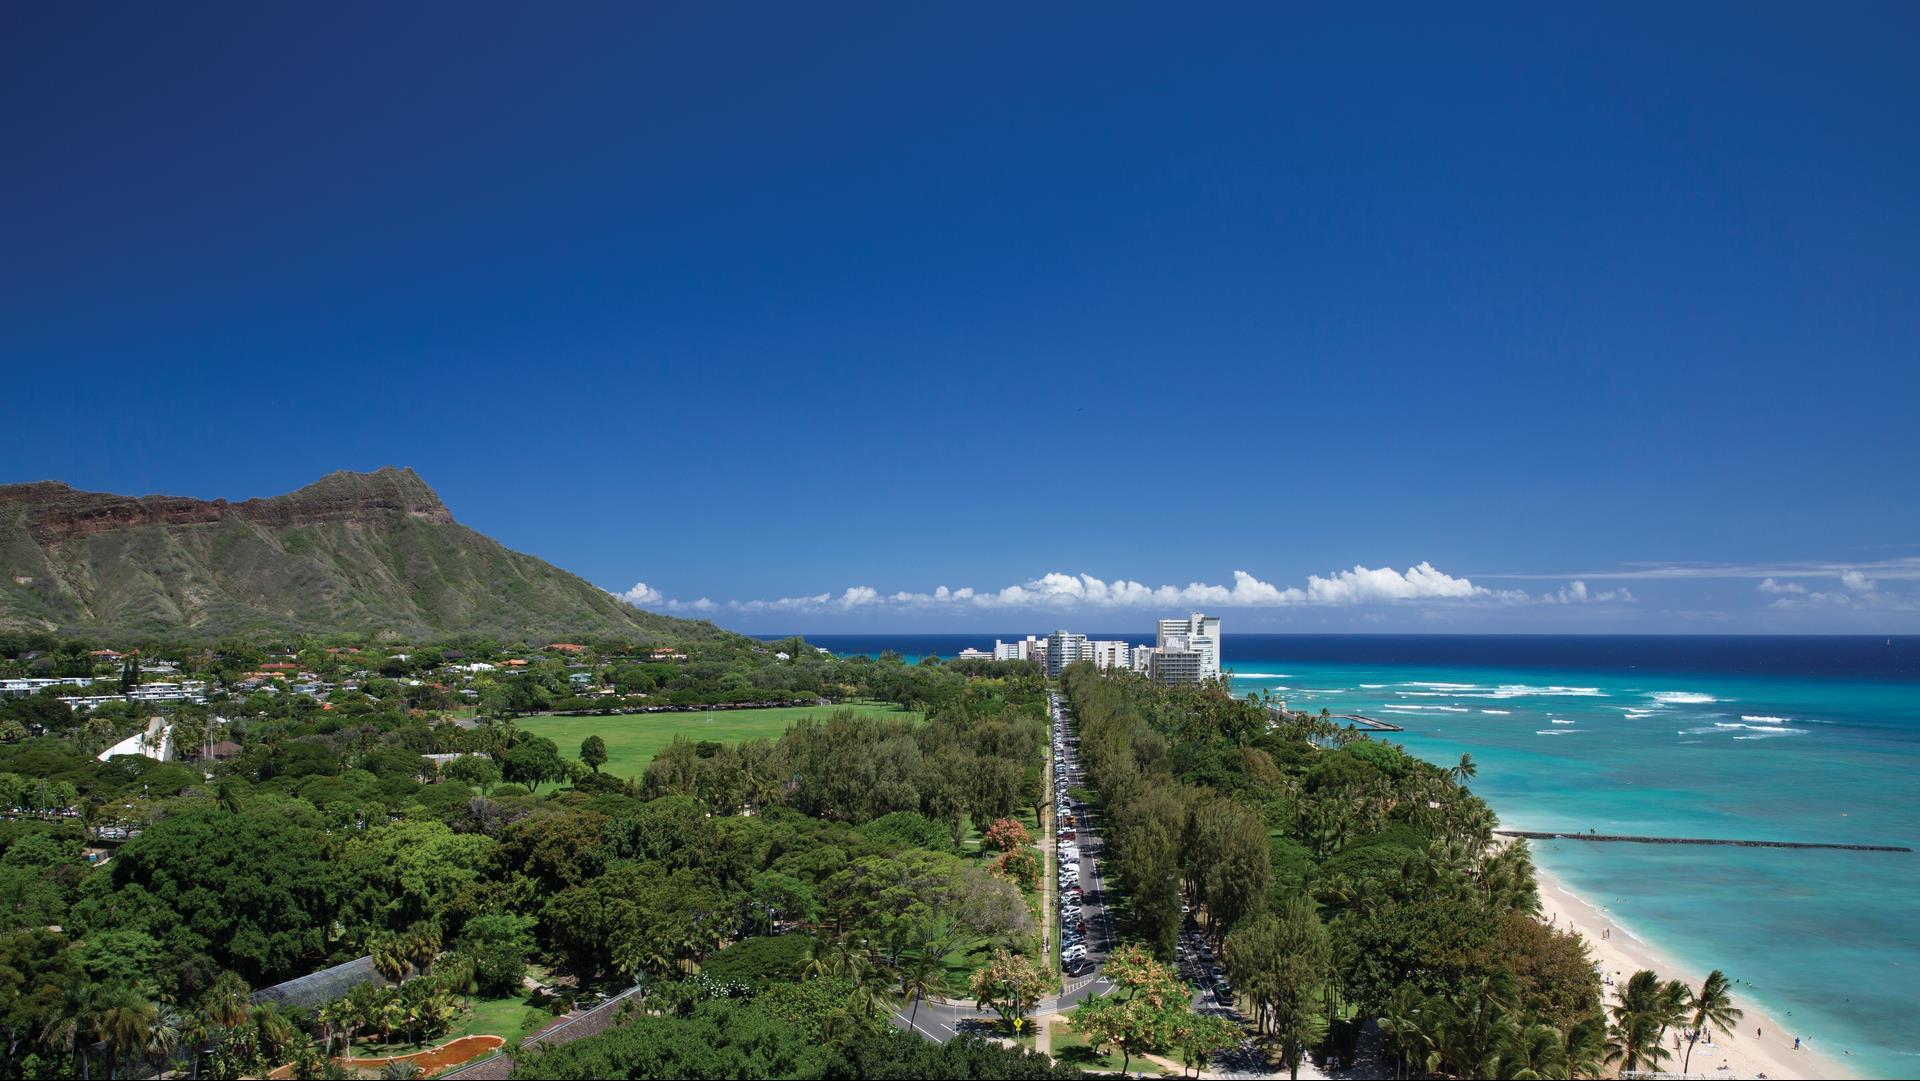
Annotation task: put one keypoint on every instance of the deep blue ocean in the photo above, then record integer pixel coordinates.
(1777, 738)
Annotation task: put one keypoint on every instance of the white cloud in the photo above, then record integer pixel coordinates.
(1364, 585)
(1359, 585)
(1856, 582)
(1770, 585)
(1857, 593)
(1903, 568)
(643, 595)
(1576, 592)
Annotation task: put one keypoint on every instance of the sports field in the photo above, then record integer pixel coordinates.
(633, 739)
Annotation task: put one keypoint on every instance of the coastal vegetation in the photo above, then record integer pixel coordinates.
(1342, 879)
(806, 881)
(419, 833)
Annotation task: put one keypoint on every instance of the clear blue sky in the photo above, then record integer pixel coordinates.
(757, 302)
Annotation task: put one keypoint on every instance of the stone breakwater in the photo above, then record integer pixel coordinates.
(1538, 835)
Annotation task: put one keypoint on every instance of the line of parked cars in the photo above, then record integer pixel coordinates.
(1067, 813)
(1202, 969)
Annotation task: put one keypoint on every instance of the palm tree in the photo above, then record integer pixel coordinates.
(1587, 1048)
(122, 1019)
(421, 944)
(825, 958)
(920, 976)
(274, 1031)
(1477, 1024)
(1642, 1013)
(872, 983)
(64, 1029)
(1535, 1052)
(1712, 1008)
(169, 1028)
(1465, 771)
(1403, 1027)
(390, 956)
(459, 973)
(226, 1001)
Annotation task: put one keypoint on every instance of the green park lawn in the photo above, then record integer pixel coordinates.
(509, 1018)
(1071, 1048)
(633, 739)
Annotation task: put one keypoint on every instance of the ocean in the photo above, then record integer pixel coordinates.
(1762, 738)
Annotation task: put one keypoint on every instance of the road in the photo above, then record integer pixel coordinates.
(941, 1020)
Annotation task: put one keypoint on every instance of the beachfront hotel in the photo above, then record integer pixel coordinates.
(1185, 650)
(1198, 634)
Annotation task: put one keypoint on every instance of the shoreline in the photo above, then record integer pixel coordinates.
(1620, 954)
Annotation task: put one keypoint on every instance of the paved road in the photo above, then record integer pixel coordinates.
(943, 1020)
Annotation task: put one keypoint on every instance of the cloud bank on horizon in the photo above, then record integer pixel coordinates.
(1358, 585)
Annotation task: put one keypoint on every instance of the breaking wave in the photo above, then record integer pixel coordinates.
(1682, 698)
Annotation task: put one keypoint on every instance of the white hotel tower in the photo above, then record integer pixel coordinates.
(1197, 634)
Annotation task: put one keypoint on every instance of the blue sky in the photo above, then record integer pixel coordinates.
(765, 304)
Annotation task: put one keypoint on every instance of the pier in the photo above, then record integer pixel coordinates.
(1536, 835)
(1357, 720)
(1372, 724)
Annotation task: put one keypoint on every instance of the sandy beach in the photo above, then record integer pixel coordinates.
(1619, 955)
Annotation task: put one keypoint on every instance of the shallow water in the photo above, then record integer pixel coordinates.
(1826, 941)
(1796, 739)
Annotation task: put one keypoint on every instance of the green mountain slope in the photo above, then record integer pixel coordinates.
(354, 552)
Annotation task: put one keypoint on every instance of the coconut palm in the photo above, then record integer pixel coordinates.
(1587, 1048)
(1535, 1052)
(920, 975)
(1465, 771)
(1642, 1013)
(1712, 1008)
(1477, 1022)
(872, 985)
(1403, 1026)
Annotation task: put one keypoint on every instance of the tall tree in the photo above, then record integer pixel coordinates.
(593, 751)
(1712, 1009)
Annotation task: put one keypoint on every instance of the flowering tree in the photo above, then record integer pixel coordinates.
(1009, 985)
(1021, 866)
(1006, 835)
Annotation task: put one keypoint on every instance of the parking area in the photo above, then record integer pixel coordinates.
(1085, 931)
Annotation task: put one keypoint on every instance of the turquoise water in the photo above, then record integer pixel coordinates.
(1827, 942)
(1762, 738)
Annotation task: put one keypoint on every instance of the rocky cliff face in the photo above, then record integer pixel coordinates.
(353, 552)
(55, 513)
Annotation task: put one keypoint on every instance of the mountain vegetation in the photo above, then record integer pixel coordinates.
(361, 553)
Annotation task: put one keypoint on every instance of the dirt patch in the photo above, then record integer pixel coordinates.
(464, 1049)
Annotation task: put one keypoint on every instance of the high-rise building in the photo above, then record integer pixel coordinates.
(1142, 658)
(1174, 666)
(1198, 634)
(1063, 649)
(1109, 654)
(1015, 650)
